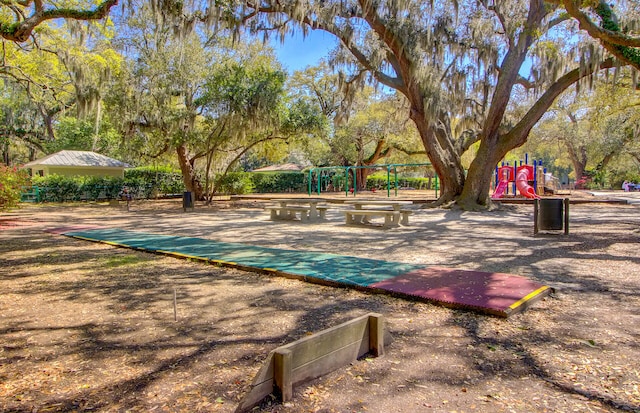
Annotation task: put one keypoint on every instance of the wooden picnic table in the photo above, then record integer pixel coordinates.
(363, 210)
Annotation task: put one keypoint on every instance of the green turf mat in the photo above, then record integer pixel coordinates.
(330, 267)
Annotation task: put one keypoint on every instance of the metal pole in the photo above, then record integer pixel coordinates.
(355, 181)
(346, 181)
(389, 166)
(536, 207)
(566, 216)
(395, 175)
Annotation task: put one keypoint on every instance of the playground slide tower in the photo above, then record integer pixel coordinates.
(524, 175)
(520, 176)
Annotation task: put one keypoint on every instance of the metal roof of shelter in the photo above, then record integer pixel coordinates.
(77, 158)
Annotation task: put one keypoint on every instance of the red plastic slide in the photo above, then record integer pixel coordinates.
(522, 183)
(502, 186)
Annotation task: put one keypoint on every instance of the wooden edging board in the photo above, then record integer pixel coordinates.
(315, 355)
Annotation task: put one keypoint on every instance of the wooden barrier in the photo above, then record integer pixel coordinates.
(315, 355)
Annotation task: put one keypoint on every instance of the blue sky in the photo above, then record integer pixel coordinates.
(297, 52)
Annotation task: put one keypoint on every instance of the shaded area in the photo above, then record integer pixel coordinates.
(86, 327)
(493, 293)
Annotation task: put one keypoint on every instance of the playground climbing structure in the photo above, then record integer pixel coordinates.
(520, 179)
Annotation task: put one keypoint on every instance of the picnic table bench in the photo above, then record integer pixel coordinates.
(392, 217)
(308, 209)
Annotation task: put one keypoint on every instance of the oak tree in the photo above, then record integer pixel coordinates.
(452, 60)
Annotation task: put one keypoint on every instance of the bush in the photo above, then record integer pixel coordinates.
(235, 183)
(56, 188)
(274, 182)
(12, 181)
(159, 180)
(380, 182)
(142, 184)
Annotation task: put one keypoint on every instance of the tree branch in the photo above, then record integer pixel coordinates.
(609, 36)
(520, 131)
(510, 67)
(622, 46)
(20, 30)
(246, 149)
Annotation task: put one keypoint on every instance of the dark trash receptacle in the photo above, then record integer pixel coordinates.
(187, 201)
(551, 214)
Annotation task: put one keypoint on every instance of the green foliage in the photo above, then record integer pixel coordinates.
(12, 180)
(250, 92)
(79, 134)
(274, 182)
(24, 18)
(141, 183)
(72, 134)
(163, 179)
(380, 183)
(55, 188)
(235, 183)
(303, 116)
(609, 23)
(616, 178)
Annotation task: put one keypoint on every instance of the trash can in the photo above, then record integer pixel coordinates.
(187, 201)
(551, 214)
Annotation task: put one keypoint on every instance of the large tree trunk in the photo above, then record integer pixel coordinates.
(189, 177)
(579, 161)
(379, 153)
(445, 161)
(361, 177)
(475, 194)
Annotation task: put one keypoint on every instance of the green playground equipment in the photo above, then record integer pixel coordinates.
(350, 171)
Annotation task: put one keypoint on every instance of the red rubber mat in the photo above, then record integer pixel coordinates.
(494, 293)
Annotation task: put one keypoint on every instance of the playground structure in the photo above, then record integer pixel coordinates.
(322, 177)
(525, 179)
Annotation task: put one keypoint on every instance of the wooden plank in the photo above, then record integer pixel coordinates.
(329, 362)
(261, 387)
(376, 334)
(283, 373)
(315, 355)
(255, 396)
(327, 341)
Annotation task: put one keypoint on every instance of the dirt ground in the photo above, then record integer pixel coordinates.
(90, 327)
